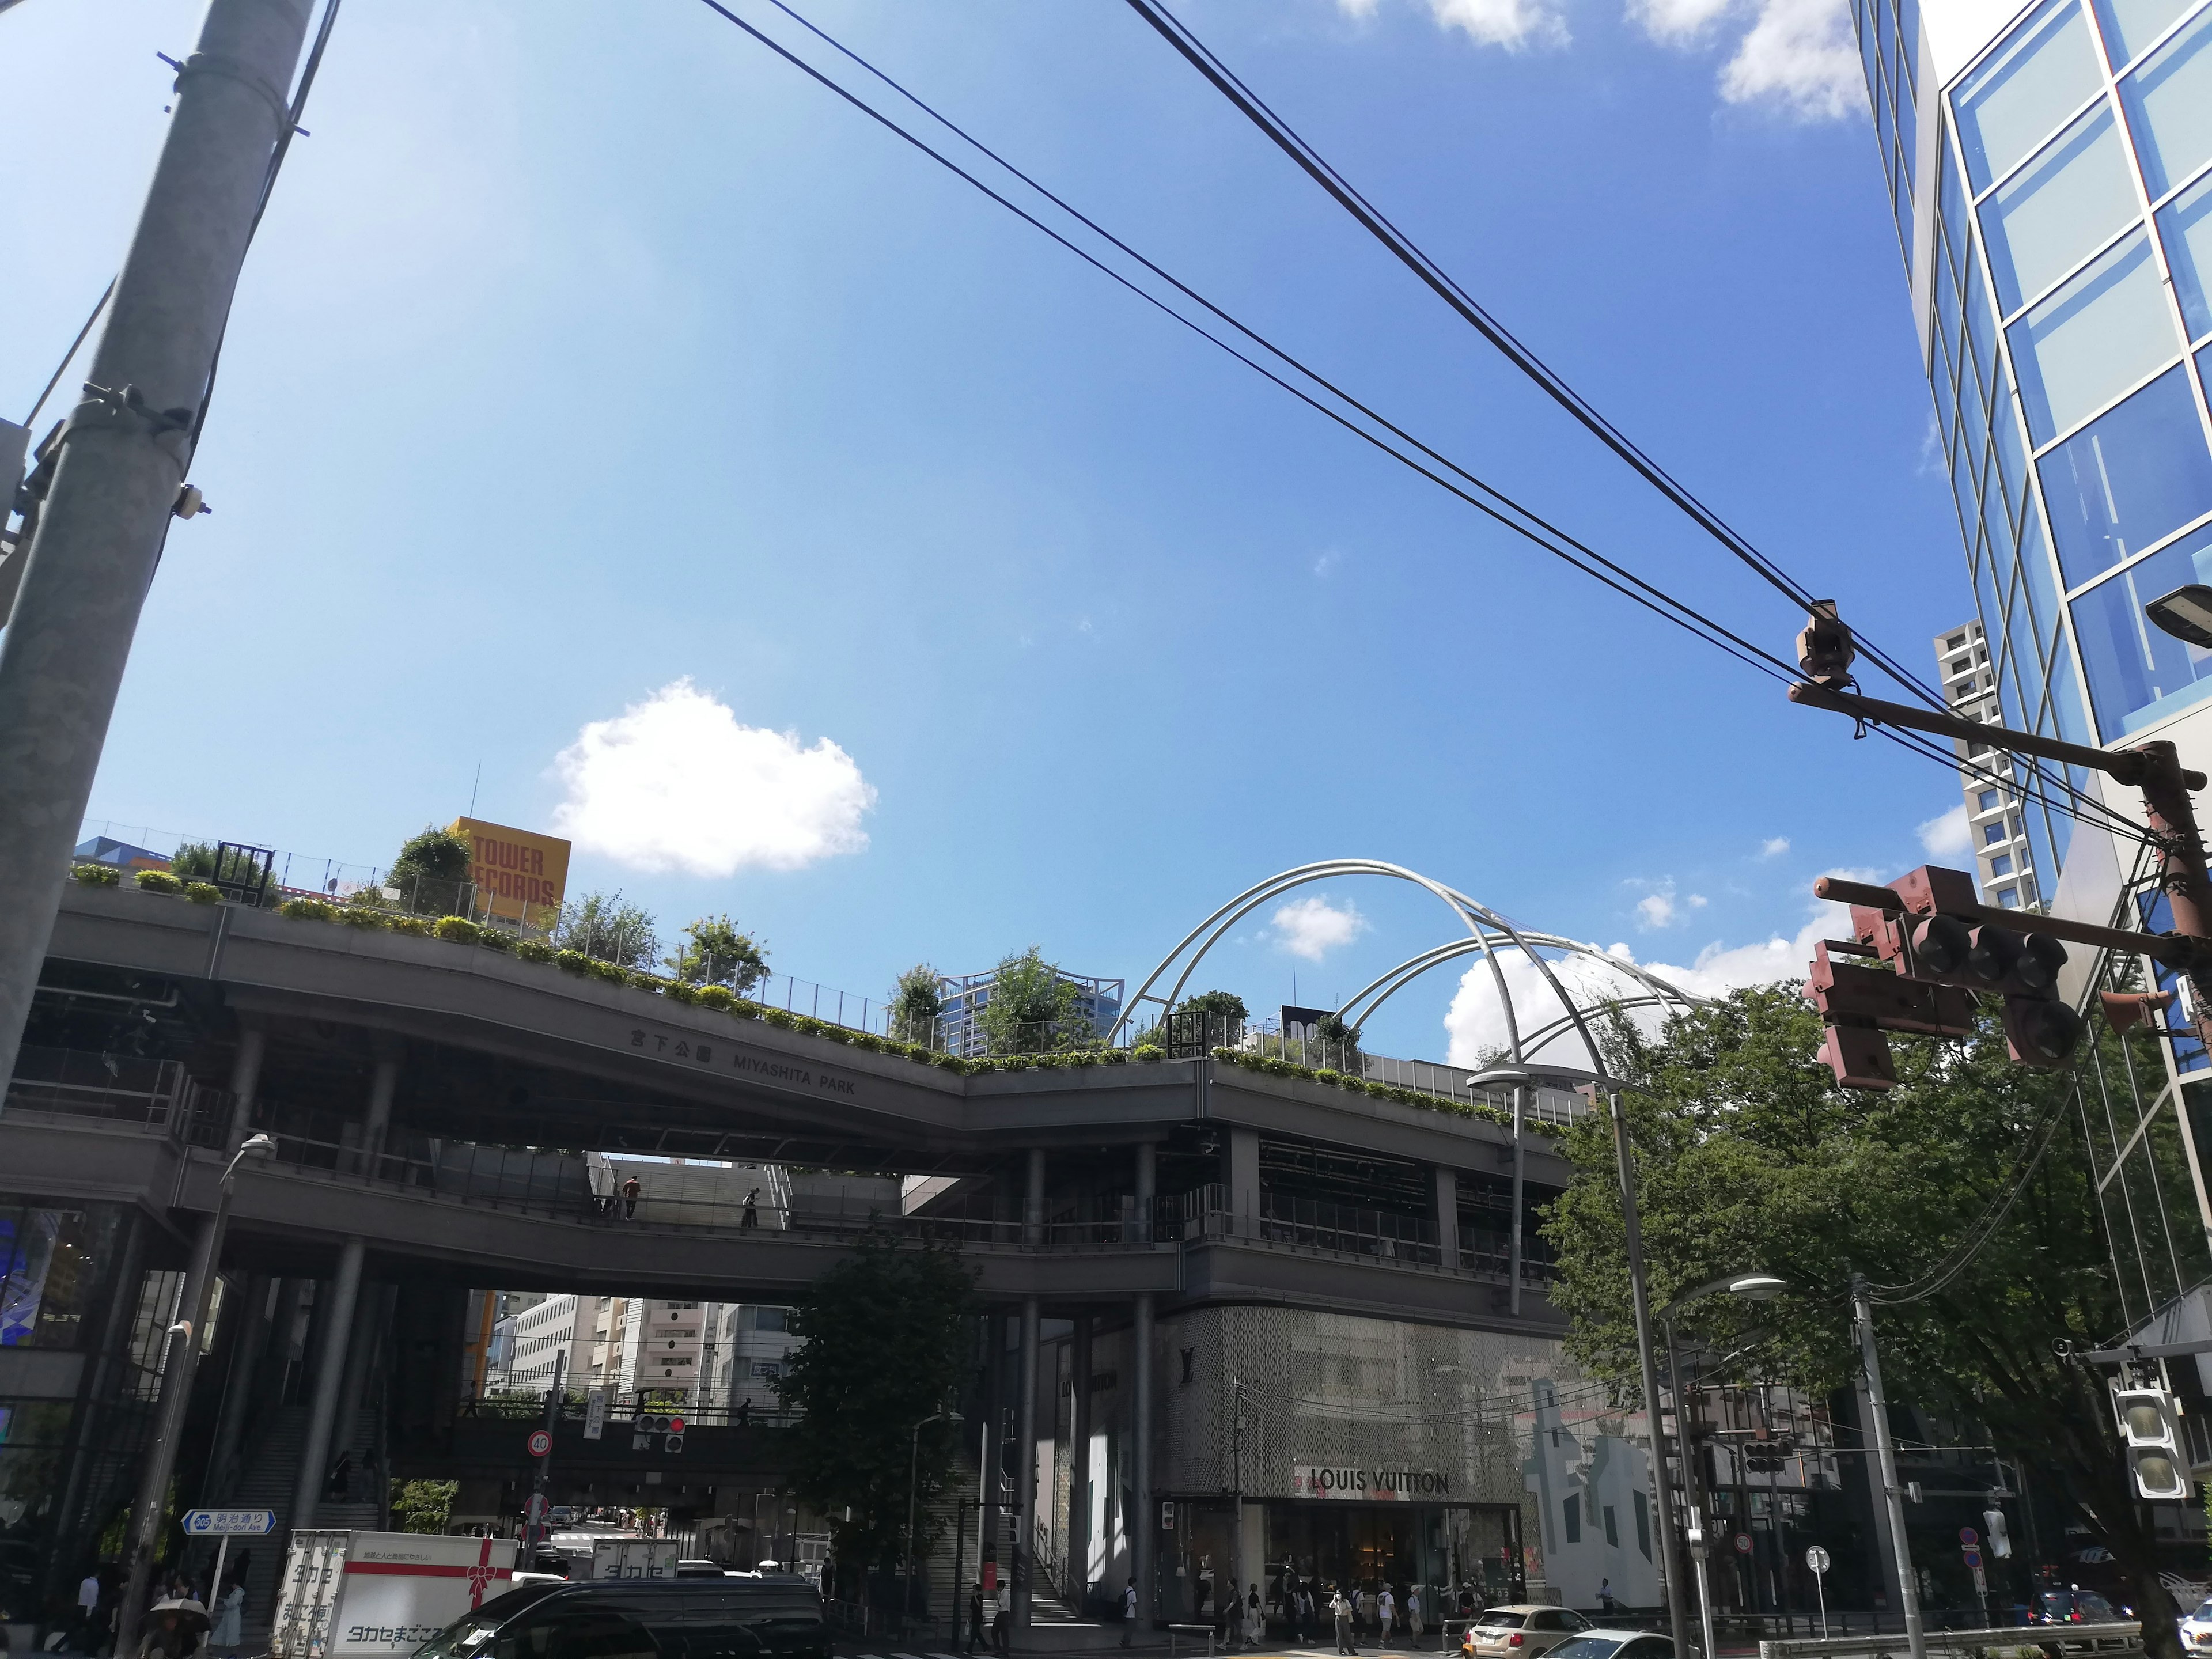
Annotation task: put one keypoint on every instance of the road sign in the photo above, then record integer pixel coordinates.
(539, 1503)
(1974, 1558)
(1743, 1543)
(229, 1523)
(595, 1414)
(1816, 1559)
(541, 1444)
(1969, 1537)
(1974, 1564)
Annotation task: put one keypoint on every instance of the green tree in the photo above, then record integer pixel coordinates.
(715, 953)
(609, 927)
(204, 861)
(432, 872)
(424, 1505)
(916, 1003)
(1223, 1011)
(1749, 1156)
(884, 1338)
(1031, 1009)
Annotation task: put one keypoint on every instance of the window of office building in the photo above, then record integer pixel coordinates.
(2138, 673)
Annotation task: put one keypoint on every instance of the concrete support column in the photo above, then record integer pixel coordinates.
(1033, 1199)
(989, 1469)
(360, 1356)
(245, 1081)
(1148, 1163)
(1245, 1181)
(1447, 1215)
(1141, 1524)
(1025, 1484)
(1079, 1462)
(283, 1321)
(330, 1374)
(251, 1326)
(377, 1122)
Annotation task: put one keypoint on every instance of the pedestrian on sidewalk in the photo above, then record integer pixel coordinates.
(1386, 1617)
(1129, 1610)
(1309, 1622)
(1255, 1620)
(1605, 1595)
(1414, 1626)
(631, 1189)
(1002, 1622)
(751, 1218)
(975, 1616)
(1341, 1610)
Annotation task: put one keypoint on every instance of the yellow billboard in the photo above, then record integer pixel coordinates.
(518, 873)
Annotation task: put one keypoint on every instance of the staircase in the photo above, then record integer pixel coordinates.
(270, 1472)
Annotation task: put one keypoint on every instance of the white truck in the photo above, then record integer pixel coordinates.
(380, 1594)
(635, 1557)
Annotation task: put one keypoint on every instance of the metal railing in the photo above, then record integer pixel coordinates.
(2120, 1640)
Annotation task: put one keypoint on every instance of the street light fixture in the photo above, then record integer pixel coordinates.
(912, 1483)
(1521, 1078)
(1752, 1287)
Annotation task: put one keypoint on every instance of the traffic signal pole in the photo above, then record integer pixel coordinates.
(1908, 1588)
(124, 454)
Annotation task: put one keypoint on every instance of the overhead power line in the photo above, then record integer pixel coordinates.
(1428, 462)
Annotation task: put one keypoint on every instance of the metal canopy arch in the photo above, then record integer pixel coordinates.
(1488, 933)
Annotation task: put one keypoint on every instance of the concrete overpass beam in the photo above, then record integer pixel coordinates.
(1025, 1483)
(246, 1080)
(383, 1084)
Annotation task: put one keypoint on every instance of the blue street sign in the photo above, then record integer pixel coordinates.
(229, 1523)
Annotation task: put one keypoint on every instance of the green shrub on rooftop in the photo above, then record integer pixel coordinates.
(363, 916)
(203, 892)
(307, 910)
(1148, 1052)
(97, 875)
(719, 997)
(495, 939)
(534, 950)
(158, 881)
(459, 929)
(638, 980)
(414, 926)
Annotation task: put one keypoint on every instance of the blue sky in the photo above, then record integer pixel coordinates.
(588, 351)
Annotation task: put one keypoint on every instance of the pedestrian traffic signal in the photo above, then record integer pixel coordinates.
(2150, 1424)
(1929, 931)
(1993, 1522)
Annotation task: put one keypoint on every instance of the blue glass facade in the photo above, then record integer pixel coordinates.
(2053, 195)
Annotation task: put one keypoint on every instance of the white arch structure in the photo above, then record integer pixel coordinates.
(1489, 935)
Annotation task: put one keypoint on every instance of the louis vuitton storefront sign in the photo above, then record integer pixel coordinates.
(1367, 1485)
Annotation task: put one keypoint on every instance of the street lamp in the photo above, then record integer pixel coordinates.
(1640, 1301)
(913, 1482)
(181, 1359)
(1752, 1287)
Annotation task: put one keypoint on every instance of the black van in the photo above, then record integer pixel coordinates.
(769, 1617)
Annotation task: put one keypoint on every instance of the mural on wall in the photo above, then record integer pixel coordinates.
(1592, 1492)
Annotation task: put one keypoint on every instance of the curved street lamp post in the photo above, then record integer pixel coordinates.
(912, 1484)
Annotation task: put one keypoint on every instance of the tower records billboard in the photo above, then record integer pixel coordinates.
(517, 872)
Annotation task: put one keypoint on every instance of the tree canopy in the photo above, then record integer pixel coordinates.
(885, 1339)
(1031, 1007)
(608, 926)
(915, 1005)
(1749, 1156)
(431, 871)
(715, 953)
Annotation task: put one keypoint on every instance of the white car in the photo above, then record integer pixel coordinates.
(2196, 1629)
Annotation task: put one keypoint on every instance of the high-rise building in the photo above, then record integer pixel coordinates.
(2050, 169)
(959, 1027)
(2004, 862)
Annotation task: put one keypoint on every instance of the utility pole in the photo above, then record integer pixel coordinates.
(1908, 1592)
(124, 455)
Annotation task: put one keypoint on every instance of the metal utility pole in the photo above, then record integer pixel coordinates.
(1908, 1592)
(1661, 1497)
(124, 455)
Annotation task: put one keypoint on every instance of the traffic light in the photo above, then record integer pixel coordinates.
(2150, 1424)
(1939, 951)
(1999, 1540)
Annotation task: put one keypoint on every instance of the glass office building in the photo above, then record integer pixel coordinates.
(2052, 174)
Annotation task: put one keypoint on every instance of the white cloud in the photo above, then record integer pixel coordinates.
(1945, 835)
(1794, 55)
(1660, 908)
(1775, 848)
(1509, 23)
(1312, 927)
(675, 783)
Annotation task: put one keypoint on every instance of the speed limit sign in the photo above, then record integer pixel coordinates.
(1816, 1559)
(1743, 1543)
(540, 1443)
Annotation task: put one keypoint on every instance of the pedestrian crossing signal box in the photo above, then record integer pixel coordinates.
(657, 1433)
